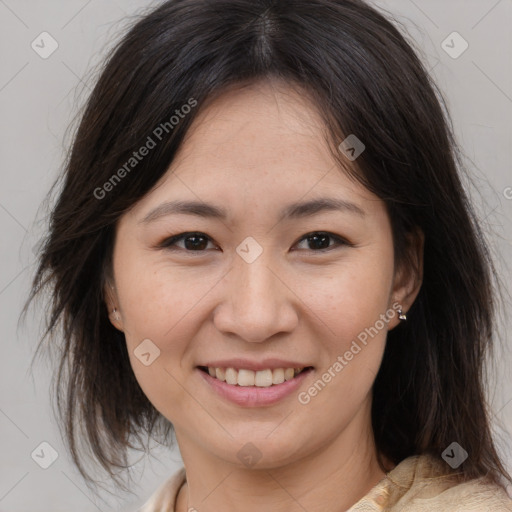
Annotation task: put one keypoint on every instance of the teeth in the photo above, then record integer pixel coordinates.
(263, 378)
(247, 378)
(231, 376)
(278, 376)
(289, 373)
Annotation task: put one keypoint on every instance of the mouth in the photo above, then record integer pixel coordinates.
(254, 379)
(254, 388)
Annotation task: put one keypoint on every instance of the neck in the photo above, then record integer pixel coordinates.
(331, 478)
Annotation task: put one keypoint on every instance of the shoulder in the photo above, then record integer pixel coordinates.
(164, 498)
(472, 496)
(419, 484)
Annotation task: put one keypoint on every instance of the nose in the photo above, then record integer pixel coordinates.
(257, 302)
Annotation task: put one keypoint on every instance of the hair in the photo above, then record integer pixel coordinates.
(364, 78)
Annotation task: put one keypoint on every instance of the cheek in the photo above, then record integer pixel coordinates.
(157, 298)
(352, 305)
(354, 346)
(166, 305)
(160, 307)
(353, 297)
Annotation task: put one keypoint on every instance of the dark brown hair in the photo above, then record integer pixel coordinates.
(365, 79)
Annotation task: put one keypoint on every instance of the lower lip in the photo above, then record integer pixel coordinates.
(254, 396)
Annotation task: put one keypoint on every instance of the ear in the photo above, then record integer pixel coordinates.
(112, 305)
(409, 276)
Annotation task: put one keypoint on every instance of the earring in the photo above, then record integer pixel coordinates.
(116, 314)
(402, 315)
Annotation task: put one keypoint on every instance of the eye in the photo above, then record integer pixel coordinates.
(193, 241)
(318, 241)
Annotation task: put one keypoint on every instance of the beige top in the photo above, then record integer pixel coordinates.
(417, 484)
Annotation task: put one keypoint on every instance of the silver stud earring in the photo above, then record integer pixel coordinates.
(402, 315)
(115, 313)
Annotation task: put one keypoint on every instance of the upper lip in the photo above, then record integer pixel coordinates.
(246, 364)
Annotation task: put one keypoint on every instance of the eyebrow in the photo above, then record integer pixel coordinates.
(292, 211)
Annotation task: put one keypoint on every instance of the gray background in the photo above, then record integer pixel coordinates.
(40, 97)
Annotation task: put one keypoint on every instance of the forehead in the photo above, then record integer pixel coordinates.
(256, 127)
(256, 146)
(273, 104)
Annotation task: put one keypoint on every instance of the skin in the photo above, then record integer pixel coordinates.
(253, 151)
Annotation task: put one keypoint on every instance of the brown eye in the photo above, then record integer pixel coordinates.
(192, 242)
(320, 241)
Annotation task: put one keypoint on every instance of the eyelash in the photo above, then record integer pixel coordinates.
(170, 242)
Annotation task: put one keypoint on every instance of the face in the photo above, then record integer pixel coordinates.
(258, 281)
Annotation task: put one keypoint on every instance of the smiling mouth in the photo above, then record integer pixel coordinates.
(249, 378)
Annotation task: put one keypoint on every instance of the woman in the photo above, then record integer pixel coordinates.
(262, 245)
